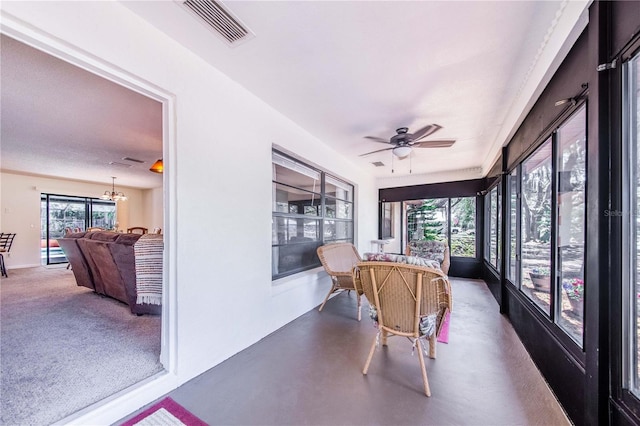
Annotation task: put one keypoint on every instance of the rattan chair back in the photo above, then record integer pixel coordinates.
(338, 260)
(402, 295)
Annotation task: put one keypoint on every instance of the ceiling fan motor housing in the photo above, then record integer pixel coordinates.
(402, 137)
(403, 141)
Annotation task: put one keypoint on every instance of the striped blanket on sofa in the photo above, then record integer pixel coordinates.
(148, 253)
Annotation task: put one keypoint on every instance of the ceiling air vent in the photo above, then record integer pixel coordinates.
(378, 163)
(219, 19)
(118, 164)
(135, 160)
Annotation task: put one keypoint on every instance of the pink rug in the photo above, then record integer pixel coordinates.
(166, 412)
(443, 336)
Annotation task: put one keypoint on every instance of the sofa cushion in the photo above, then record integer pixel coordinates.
(102, 235)
(400, 258)
(434, 250)
(427, 324)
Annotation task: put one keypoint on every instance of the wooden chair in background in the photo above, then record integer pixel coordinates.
(137, 230)
(338, 260)
(407, 300)
(6, 240)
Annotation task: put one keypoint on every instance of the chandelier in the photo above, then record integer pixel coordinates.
(113, 195)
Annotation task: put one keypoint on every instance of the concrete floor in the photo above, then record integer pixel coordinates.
(310, 373)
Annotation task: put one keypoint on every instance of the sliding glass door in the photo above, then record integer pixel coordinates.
(62, 213)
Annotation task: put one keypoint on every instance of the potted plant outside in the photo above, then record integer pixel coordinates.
(574, 289)
(541, 278)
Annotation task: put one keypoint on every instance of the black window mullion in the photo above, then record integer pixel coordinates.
(47, 229)
(323, 205)
(519, 227)
(553, 294)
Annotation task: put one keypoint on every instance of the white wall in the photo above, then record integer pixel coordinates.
(20, 210)
(153, 208)
(225, 298)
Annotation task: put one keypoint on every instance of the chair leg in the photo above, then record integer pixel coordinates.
(3, 269)
(423, 368)
(373, 348)
(359, 305)
(385, 335)
(433, 341)
(333, 288)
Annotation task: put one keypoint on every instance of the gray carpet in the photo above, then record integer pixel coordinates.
(64, 347)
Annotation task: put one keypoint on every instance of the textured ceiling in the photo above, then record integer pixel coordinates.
(342, 70)
(59, 120)
(347, 69)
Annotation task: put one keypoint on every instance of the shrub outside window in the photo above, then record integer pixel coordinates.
(463, 227)
(437, 218)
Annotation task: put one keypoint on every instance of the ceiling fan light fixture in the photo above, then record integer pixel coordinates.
(401, 151)
(158, 167)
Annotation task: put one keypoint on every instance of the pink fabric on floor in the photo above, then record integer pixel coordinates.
(177, 415)
(443, 337)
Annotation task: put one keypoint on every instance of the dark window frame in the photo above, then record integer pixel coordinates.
(88, 215)
(322, 218)
(622, 395)
(549, 319)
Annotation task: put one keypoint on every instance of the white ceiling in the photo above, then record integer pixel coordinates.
(341, 69)
(59, 120)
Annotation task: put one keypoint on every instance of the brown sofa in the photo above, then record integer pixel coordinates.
(105, 262)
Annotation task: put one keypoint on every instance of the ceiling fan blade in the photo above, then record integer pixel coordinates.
(376, 139)
(427, 130)
(373, 152)
(443, 143)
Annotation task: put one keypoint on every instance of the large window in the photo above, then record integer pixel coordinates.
(546, 247)
(492, 228)
(463, 227)
(59, 213)
(310, 208)
(536, 226)
(427, 219)
(571, 186)
(513, 256)
(452, 220)
(631, 223)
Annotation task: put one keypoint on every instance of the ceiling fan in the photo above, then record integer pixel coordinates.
(403, 142)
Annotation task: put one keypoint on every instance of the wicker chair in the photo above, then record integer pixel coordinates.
(338, 260)
(404, 299)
